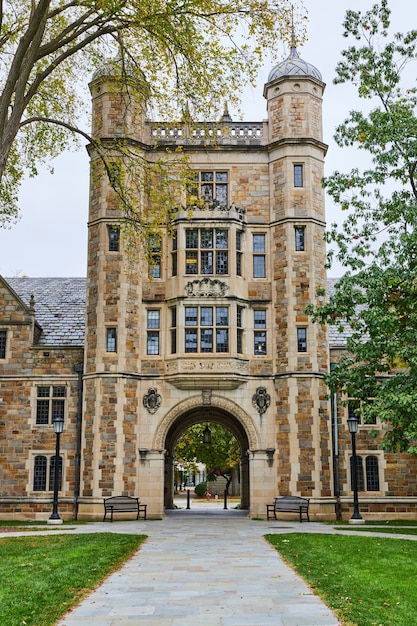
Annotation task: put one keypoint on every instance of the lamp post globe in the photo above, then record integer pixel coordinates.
(356, 518)
(58, 424)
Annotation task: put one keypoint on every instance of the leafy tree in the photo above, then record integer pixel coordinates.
(177, 55)
(220, 457)
(377, 243)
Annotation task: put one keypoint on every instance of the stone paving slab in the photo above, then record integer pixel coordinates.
(202, 570)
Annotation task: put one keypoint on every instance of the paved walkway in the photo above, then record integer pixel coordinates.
(202, 567)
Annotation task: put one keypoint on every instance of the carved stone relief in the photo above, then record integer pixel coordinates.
(152, 400)
(207, 287)
(261, 400)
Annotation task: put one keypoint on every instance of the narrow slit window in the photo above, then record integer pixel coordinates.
(3, 338)
(239, 253)
(300, 238)
(302, 339)
(174, 264)
(153, 325)
(173, 330)
(239, 325)
(259, 335)
(111, 340)
(114, 239)
(298, 176)
(259, 261)
(155, 248)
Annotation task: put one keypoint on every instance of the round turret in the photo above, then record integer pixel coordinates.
(113, 68)
(294, 66)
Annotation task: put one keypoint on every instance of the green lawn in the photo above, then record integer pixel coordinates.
(42, 577)
(367, 581)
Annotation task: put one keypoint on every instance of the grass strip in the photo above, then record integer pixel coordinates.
(42, 577)
(367, 581)
(388, 523)
(381, 529)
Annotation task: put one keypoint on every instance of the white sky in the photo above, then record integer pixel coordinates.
(51, 237)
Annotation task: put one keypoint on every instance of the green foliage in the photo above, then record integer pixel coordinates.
(177, 56)
(366, 580)
(43, 577)
(200, 489)
(377, 243)
(219, 457)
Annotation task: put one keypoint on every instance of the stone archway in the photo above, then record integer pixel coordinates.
(197, 409)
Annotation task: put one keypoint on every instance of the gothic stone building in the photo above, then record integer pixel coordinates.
(216, 333)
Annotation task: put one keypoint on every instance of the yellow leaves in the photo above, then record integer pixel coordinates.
(362, 137)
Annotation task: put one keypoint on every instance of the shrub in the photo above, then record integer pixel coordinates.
(200, 489)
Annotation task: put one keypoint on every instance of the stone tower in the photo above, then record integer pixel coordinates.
(216, 330)
(296, 159)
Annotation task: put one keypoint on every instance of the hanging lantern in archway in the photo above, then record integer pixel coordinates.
(207, 435)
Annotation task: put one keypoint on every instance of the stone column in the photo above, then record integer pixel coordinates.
(262, 481)
(151, 480)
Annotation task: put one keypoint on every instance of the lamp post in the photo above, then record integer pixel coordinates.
(58, 423)
(353, 429)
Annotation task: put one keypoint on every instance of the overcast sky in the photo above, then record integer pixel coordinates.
(51, 237)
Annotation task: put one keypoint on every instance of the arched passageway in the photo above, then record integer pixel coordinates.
(214, 416)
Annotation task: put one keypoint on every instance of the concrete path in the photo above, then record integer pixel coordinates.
(202, 567)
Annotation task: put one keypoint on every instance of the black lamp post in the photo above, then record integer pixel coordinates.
(353, 429)
(58, 423)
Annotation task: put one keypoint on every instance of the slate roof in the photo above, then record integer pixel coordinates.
(59, 307)
(337, 339)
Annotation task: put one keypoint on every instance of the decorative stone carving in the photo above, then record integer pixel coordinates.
(195, 402)
(207, 287)
(218, 365)
(152, 400)
(261, 400)
(206, 396)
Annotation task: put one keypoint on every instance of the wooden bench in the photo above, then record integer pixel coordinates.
(288, 504)
(124, 504)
